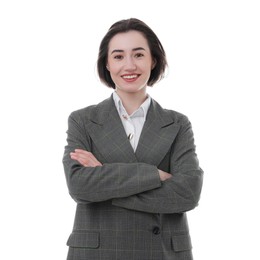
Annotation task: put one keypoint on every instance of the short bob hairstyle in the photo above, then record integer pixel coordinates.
(156, 48)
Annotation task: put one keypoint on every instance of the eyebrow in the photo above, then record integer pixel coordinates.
(135, 49)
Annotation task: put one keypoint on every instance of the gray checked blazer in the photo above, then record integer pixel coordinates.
(123, 209)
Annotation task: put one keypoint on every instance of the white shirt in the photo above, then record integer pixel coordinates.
(133, 124)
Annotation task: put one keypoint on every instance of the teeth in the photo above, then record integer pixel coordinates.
(130, 77)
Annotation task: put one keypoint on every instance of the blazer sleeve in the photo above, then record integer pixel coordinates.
(101, 183)
(179, 193)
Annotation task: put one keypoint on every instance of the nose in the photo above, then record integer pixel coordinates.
(130, 63)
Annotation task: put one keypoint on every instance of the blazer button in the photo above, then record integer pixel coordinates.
(156, 230)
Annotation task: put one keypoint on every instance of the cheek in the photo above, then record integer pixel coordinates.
(147, 66)
(114, 69)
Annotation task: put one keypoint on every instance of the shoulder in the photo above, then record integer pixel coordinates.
(175, 116)
(83, 112)
(92, 112)
(178, 117)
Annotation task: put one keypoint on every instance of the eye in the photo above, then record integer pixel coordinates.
(139, 55)
(118, 57)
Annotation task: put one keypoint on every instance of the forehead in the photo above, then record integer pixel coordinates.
(128, 40)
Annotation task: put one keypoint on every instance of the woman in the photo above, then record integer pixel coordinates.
(131, 165)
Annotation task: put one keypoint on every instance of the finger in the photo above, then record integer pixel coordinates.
(88, 163)
(81, 151)
(74, 156)
(85, 158)
(85, 154)
(84, 163)
(81, 155)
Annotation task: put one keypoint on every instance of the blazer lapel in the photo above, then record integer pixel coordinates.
(108, 133)
(109, 137)
(157, 136)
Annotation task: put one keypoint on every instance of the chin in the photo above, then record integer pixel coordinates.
(131, 89)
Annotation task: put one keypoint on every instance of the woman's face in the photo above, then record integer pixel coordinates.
(129, 61)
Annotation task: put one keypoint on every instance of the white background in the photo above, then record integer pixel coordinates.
(48, 52)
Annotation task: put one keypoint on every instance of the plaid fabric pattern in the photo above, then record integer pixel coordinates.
(123, 210)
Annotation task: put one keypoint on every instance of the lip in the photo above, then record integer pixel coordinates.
(130, 77)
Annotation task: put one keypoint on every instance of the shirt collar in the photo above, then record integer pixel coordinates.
(140, 112)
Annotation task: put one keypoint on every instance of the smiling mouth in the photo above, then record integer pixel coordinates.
(132, 76)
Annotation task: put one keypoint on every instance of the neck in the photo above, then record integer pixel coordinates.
(132, 101)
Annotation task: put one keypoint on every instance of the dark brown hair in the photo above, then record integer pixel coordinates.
(156, 48)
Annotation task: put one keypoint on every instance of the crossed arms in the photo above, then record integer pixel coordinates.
(138, 186)
(87, 159)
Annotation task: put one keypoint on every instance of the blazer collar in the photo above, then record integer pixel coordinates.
(141, 111)
(109, 136)
(102, 112)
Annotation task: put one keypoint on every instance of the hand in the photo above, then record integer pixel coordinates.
(164, 175)
(85, 158)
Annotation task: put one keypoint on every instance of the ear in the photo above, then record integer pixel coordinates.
(154, 63)
(107, 67)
